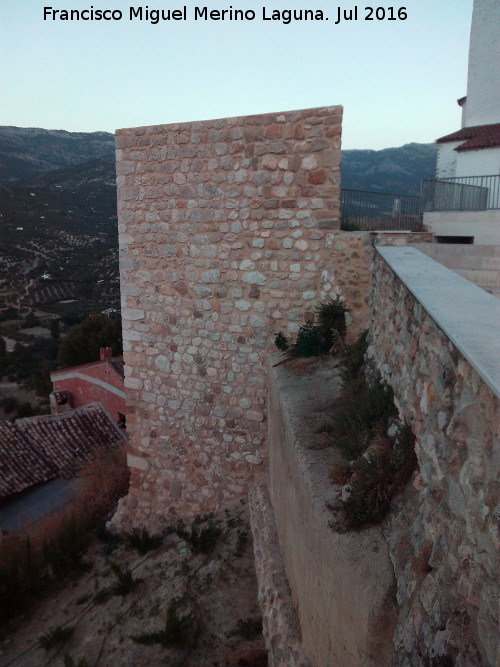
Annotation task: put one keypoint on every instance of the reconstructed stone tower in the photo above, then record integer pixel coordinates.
(222, 229)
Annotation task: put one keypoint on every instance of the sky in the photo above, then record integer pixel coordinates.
(397, 80)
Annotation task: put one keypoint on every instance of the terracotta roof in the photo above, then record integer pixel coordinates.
(478, 136)
(21, 464)
(36, 449)
(116, 364)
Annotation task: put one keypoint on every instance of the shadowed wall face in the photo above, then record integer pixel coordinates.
(222, 241)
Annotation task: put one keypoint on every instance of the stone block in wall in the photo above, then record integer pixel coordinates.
(222, 232)
(433, 340)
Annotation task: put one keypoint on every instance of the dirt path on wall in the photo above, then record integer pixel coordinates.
(219, 589)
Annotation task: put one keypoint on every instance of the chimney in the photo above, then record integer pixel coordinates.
(105, 353)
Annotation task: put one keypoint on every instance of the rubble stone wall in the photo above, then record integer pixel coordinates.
(222, 228)
(433, 340)
(349, 268)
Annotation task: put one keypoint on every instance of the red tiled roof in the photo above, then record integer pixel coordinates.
(478, 136)
(36, 449)
(116, 364)
(21, 464)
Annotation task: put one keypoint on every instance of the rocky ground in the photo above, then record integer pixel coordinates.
(216, 593)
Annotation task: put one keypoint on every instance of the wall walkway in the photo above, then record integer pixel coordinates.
(342, 585)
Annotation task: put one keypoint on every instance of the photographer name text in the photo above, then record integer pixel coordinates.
(203, 13)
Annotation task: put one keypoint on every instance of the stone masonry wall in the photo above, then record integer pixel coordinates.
(444, 543)
(222, 243)
(349, 269)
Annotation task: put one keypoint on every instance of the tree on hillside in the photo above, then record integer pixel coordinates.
(24, 361)
(55, 329)
(41, 382)
(82, 342)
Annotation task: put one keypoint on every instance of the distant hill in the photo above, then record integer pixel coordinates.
(58, 221)
(58, 212)
(397, 170)
(26, 152)
(31, 156)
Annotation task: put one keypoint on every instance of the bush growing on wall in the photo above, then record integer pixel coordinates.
(376, 461)
(325, 336)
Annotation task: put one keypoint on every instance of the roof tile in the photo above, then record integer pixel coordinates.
(478, 136)
(36, 449)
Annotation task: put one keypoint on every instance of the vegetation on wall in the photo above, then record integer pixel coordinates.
(324, 335)
(376, 450)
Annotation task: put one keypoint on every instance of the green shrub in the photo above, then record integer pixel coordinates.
(9, 404)
(350, 431)
(20, 575)
(281, 342)
(381, 465)
(248, 629)
(331, 315)
(142, 541)
(55, 636)
(64, 551)
(310, 341)
(370, 488)
(175, 631)
(203, 534)
(102, 596)
(353, 359)
(341, 471)
(378, 405)
(403, 453)
(125, 581)
(241, 542)
(325, 336)
(361, 414)
(111, 541)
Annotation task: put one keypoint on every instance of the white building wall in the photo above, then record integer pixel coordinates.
(484, 162)
(483, 226)
(447, 159)
(483, 83)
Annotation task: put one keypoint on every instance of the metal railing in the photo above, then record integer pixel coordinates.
(461, 193)
(366, 211)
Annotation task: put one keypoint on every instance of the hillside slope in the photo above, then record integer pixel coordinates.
(58, 211)
(398, 170)
(25, 152)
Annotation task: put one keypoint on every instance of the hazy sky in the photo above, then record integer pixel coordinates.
(398, 80)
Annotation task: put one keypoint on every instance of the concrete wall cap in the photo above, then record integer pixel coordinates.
(467, 314)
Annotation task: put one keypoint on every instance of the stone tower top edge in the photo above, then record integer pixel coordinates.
(290, 115)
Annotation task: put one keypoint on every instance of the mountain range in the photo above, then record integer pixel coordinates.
(29, 155)
(27, 152)
(58, 212)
